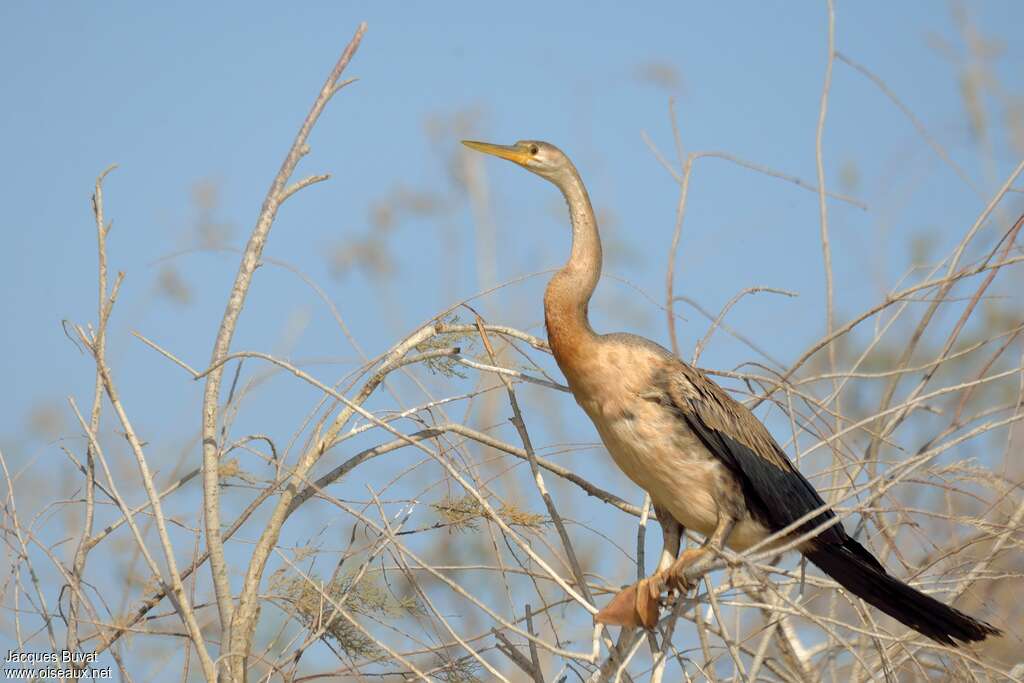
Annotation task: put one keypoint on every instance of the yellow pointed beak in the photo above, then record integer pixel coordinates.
(510, 152)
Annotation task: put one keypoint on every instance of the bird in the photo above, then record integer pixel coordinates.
(706, 461)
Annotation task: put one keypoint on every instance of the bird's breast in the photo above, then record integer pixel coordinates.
(663, 457)
(659, 453)
(652, 445)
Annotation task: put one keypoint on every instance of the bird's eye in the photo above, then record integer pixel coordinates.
(534, 149)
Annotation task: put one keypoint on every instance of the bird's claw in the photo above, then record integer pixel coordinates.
(677, 582)
(675, 576)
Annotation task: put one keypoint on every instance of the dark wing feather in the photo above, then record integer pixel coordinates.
(778, 494)
(775, 490)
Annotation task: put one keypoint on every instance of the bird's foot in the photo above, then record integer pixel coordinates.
(675, 576)
(638, 605)
(635, 606)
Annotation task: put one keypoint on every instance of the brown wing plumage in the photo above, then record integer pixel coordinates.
(775, 491)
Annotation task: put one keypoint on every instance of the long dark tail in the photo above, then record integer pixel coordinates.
(857, 570)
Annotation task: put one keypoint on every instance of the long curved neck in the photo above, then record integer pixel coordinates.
(569, 292)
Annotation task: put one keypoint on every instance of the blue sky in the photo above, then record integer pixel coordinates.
(180, 94)
(177, 95)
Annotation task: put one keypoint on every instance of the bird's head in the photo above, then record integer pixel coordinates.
(536, 156)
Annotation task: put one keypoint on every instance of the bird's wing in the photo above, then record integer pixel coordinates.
(774, 489)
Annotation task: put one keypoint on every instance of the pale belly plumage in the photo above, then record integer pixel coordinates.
(655, 450)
